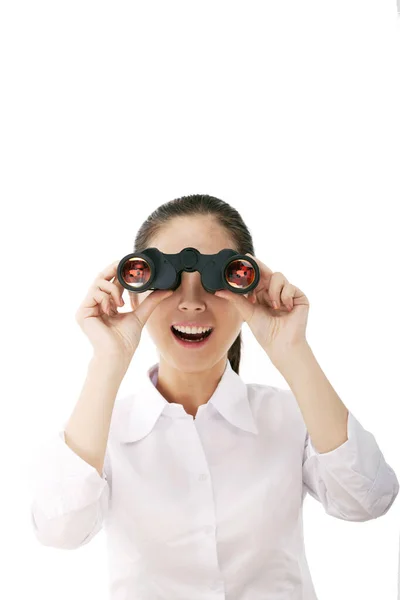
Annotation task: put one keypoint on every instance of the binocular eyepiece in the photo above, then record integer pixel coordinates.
(152, 269)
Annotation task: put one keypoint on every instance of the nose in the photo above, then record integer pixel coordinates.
(191, 292)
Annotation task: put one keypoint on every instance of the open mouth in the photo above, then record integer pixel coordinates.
(191, 337)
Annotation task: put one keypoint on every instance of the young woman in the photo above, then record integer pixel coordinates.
(198, 477)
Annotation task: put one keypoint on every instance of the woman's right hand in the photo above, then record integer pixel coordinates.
(112, 333)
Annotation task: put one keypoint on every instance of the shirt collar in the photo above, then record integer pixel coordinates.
(146, 405)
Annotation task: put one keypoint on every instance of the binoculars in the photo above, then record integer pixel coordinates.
(152, 269)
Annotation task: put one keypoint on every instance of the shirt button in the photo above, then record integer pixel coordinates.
(203, 477)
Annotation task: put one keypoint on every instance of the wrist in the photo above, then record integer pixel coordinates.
(287, 354)
(111, 361)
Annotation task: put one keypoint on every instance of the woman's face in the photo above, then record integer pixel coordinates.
(190, 301)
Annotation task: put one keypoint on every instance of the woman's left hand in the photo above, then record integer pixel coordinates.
(275, 328)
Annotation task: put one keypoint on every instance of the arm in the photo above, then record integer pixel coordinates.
(323, 412)
(86, 432)
(343, 466)
(69, 476)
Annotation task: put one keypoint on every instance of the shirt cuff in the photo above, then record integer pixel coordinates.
(359, 466)
(61, 481)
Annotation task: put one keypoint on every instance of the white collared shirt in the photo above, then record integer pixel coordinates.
(206, 508)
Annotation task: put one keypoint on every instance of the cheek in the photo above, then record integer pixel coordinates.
(230, 318)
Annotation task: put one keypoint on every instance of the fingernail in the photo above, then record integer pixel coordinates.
(275, 304)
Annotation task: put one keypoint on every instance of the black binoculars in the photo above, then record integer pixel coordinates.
(155, 270)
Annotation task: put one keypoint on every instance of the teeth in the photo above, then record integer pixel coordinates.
(192, 329)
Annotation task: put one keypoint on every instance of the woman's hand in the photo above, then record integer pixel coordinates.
(110, 332)
(276, 327)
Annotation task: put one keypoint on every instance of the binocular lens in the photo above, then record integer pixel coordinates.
(136, 272)
(240, 274)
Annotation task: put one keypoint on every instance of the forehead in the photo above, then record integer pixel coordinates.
(198, 231)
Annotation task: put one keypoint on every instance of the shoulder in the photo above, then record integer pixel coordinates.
(274, 404)
(259, 393)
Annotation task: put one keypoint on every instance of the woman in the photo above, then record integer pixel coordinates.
(197, 477)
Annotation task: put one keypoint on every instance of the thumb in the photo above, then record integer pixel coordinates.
(243, 305)
(144, 310)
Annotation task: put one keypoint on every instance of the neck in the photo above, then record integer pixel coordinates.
(191, 388)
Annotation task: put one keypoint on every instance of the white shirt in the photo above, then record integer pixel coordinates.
(207, 508)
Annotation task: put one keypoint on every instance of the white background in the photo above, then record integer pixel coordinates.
(289, 111)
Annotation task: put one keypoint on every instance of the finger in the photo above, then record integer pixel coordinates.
(110, 273)
(265, 276)
(264, 270)
(287, 295)
(277, 283)
(144, 310)
(263, 297)
(243, 305)
(111, 288)
(102, 300)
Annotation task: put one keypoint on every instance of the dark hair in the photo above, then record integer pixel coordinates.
(200, 204)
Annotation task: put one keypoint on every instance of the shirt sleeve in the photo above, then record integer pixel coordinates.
(69, 499)
(353, 482)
